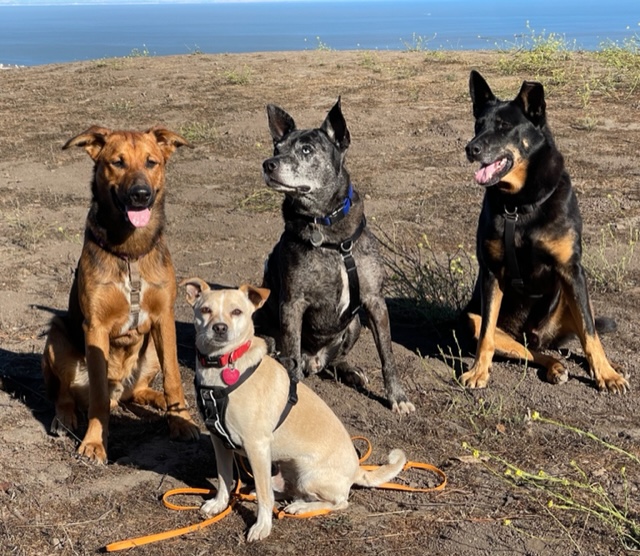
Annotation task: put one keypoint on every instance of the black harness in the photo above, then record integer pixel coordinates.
(510, 218)
(345, 247)
(213, 402)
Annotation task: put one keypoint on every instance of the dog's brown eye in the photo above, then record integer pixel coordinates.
(236, 312)
(119, 163)
(205, 310)
(151, 164)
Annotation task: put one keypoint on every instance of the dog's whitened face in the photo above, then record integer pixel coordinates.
(307, 164)
(222, 318)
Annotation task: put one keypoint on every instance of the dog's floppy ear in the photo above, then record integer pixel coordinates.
(531, 100)
(92, 140)
(257, 296)
(195, 287)
(480, 92)
(335, 126)
(168, 140)
(280, 123)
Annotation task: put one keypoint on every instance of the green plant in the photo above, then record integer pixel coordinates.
(623, 62)
(574, 490)
(199, 132)
(261, 200)
(434, 285)
(239, 77)
(322, 45)
(417, 43)
(608, 261)
(537, 54)
(138, 53)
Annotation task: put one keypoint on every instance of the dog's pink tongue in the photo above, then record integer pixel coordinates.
(139, 218)
(486, 173)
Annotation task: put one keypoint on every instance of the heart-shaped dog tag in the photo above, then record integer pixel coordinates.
(230, 376)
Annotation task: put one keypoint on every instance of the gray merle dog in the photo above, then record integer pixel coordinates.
(325, 266)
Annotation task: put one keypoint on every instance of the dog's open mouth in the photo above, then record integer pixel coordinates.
(490, 174)
(138, 217)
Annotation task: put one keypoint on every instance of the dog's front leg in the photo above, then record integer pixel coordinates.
(380, 327)
(291, 313)
(575, 288)
(259, 455)
(181, 426)
(94, 444)
(491, 293)
(224, 465)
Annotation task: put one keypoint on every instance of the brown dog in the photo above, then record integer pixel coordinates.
(119, 330)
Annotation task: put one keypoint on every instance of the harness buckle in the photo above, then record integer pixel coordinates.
(511, 214)
(346, 246)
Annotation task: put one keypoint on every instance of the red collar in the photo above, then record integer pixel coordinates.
(226, 358)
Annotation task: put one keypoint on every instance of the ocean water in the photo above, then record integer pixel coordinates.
(44, 34)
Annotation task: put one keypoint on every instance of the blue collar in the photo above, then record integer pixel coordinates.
(337, 214)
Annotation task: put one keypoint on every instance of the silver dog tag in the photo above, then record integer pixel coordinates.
(316, 238)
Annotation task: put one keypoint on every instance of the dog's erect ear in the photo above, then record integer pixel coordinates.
(195, 287)
(257, 296)
(480, 93)
(531, 100)
(335, 126)
(280, 123)
(168, 140)
(92, 140)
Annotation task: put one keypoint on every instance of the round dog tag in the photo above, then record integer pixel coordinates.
(316, 238)
(230, 376)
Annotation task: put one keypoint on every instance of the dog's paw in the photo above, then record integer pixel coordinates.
(93, 451)
(403, 407)
(181, 428)
(260, 530)
(475, 378)
(213, 507)
(557, 373)
(613, 382)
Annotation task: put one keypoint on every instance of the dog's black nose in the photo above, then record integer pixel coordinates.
(220, 328)
(270, 165)
(140, 195)
(473, 150)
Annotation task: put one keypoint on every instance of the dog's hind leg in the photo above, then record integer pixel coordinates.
(148, 367)
(378, 314)
(506, 346)
(60, 364)
(348, 374)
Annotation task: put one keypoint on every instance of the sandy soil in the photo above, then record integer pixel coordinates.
(409, 117)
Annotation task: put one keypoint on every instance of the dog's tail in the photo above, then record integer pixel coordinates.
(604, 325)
(384, 473)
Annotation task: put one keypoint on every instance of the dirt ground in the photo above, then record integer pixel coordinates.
(409, 117)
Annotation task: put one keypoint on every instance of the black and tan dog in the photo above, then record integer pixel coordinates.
(119, 330)
(531, 291)
(326, 264)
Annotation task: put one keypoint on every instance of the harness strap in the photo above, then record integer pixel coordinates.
(510, 219)
(134, 296)
(345, 249)
(213, 401)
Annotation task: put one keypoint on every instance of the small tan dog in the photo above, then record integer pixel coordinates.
(249, 405)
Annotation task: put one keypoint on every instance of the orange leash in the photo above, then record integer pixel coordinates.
(279, 514)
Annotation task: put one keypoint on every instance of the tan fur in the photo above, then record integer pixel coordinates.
(518, 173)
(117, 363)
(313, 450)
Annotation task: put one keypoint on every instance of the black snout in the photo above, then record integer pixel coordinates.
(270, 165)
(220, 328)
(140, 196)
(473, 150)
